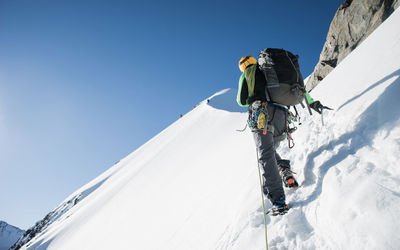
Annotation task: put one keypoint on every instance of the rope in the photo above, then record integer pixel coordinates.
(262, 198)
(242, 130)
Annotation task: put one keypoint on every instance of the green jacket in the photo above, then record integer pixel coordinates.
(251, 86)
(247, 80)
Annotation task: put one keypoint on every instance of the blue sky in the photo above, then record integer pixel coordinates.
(84, 83)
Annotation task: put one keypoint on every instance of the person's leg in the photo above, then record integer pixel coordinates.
(279, 122)
(272, 186)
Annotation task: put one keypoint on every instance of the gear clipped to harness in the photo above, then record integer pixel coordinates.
(258, 117)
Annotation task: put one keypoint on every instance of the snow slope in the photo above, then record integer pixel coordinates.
(8, 235)
(195, 185)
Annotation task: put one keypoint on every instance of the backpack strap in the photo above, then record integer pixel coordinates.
(249, 74)
(300, 101)
(267, 94)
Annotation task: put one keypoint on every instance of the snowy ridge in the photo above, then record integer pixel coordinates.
(195, 185)
(8, 235)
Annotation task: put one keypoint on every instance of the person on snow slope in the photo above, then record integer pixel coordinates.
(269, 123)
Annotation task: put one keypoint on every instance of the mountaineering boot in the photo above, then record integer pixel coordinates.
(279, 207)
(287, 174)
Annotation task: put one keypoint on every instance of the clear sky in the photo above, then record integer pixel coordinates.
(84, 83)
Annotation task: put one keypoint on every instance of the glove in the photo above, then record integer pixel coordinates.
(317, 106)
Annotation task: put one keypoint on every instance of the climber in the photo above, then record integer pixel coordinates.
(268, 92)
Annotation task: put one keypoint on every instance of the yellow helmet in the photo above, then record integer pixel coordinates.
(246, 61)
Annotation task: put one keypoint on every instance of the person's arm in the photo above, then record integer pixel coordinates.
(309, 99)
(243, 93)
(316, 105)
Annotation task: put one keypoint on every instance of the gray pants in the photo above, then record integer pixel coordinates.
(267, 145)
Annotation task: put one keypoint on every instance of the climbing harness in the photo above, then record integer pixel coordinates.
(258, 115)
(259, 119)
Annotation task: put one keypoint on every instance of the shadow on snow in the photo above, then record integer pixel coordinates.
(382, 113)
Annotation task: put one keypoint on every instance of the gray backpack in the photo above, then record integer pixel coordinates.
(285, 83)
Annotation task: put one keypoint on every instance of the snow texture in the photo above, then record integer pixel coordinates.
(195, 185)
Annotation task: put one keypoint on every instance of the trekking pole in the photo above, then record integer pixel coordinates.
(262, 199)
(322, 117)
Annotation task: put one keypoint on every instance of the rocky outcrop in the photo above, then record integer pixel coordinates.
(41, 225)
(353, 22)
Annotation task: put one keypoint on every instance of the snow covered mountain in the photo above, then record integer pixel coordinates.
(8, 235)
(195, 185)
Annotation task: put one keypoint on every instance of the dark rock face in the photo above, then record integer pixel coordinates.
(353, 22)
(41, 225)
